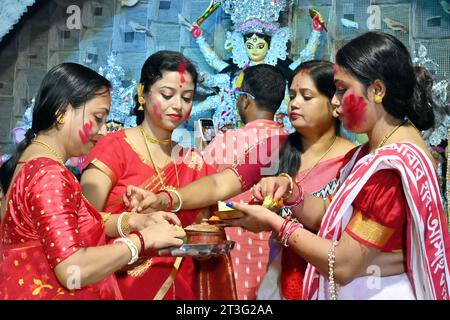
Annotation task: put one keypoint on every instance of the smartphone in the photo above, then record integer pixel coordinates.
(204, 133)
(207, 130)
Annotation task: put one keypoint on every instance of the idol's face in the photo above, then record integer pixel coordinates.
(257, 48)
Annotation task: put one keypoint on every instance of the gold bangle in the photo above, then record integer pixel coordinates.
(291, 185)
(106, 217)
(124, 225)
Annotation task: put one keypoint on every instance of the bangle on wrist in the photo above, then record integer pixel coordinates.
(132, 247)
(283, 227)
(298, 200)
(141, 239)
(179, 200)
(169, 206)
(123, 227)
(106, 216)
(291, 185)
(289, 231)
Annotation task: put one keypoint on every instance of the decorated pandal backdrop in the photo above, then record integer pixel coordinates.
(115, 37)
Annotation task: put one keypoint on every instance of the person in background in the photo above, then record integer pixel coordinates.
(258, 95)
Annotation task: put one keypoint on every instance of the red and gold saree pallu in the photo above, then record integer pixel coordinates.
(427, 242)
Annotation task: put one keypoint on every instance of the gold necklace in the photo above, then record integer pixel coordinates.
(53, 151)
(320, 159)
(154, 164)
(154, 139)
(388, 135)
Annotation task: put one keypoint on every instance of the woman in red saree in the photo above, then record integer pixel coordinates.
(321, 151)
(384, 234)
(53, 242)
(145, 156)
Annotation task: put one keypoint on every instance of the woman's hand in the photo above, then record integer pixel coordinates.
(141, 221)
(162, 235)
(275, 187)
(256, 218)
(143, 201)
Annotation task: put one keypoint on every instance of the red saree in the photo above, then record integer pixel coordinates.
(46, 221)
(161, 277)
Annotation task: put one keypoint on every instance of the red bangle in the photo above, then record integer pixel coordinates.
(170, 204)
(292, 228)
(283, 226)
(301, 194)
(141, 239)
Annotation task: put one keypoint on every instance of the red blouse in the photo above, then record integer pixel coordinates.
(379, 218)
(46, 210)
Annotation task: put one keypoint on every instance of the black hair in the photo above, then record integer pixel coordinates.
(153, 69)
(321, 72)
(64, 84)
(377, 55)
(267, 84)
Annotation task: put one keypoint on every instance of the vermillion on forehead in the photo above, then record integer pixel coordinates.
(182, 67)
(297, 78)
(355, 109)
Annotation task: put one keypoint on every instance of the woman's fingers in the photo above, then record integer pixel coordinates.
(133, 196)
(148, 203)
(257, 192)
(279, 193)
(171, 217)
(245, 208)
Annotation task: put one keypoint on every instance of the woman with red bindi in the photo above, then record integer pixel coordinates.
(146, 156)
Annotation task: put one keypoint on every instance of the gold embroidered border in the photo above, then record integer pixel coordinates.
(105, 169)
(169, 281)
(231, 277)
(369, 230)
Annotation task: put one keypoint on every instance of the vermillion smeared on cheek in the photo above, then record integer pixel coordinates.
(182, 67)
(354, 108)
(85, 133)
(156, 110)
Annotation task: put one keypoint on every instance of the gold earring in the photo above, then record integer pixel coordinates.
(60, 119)
(141, 100)
(378, 99)
(141, 103)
